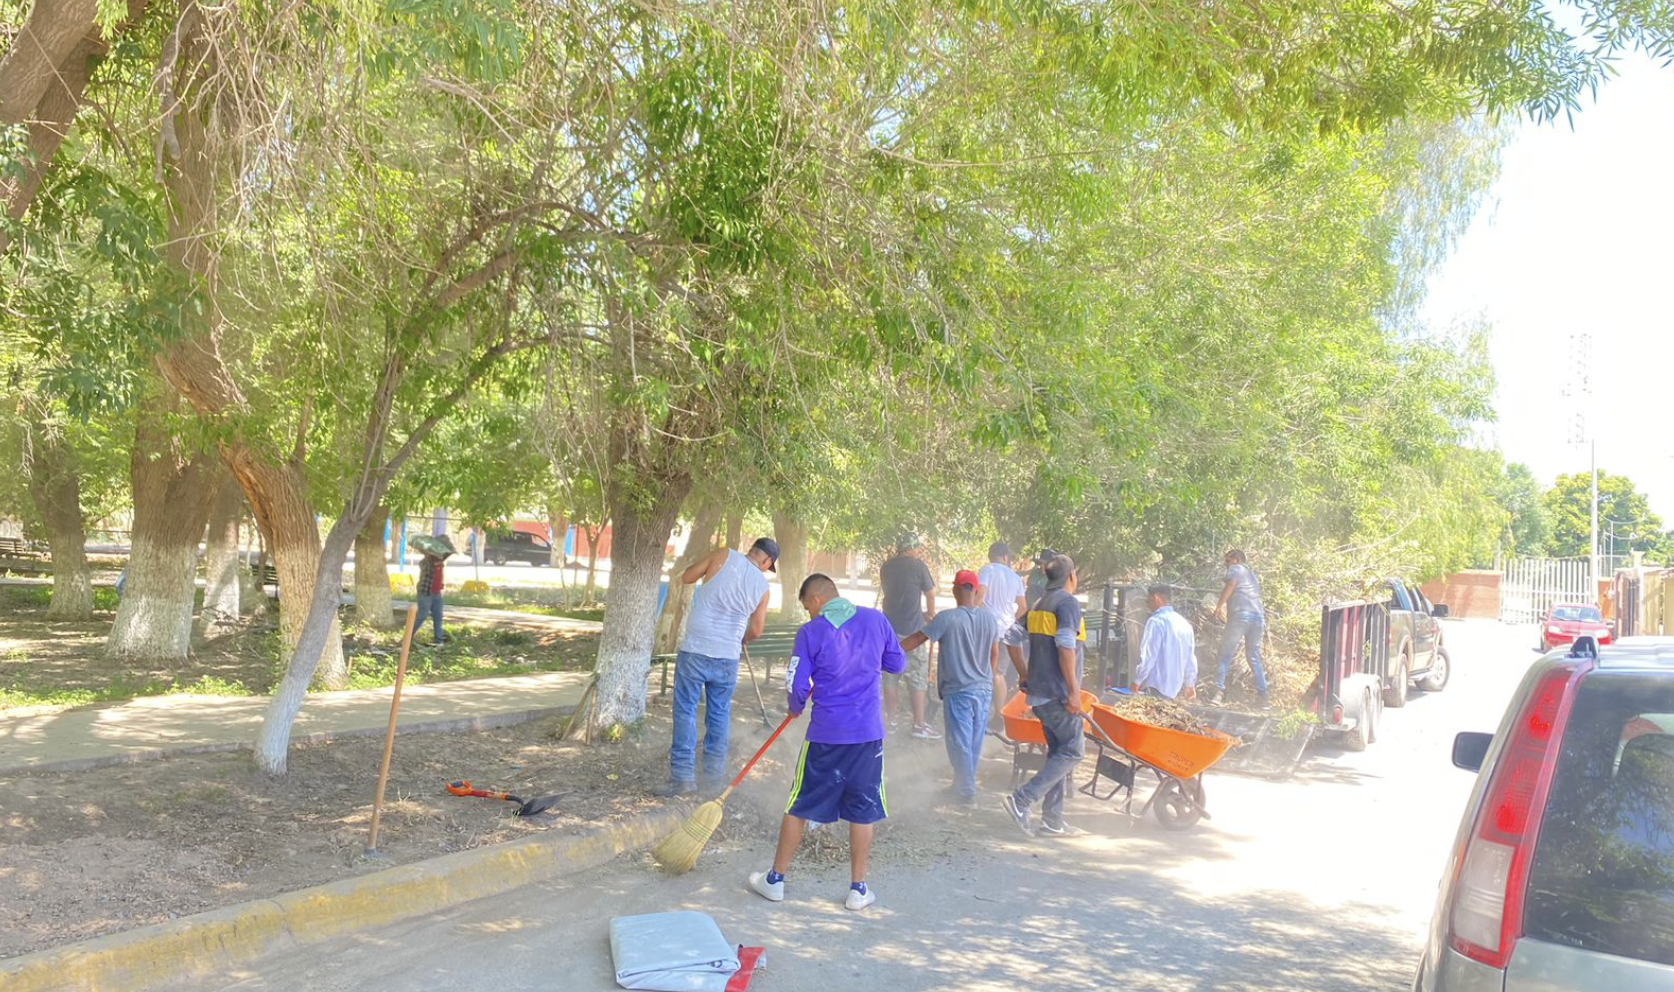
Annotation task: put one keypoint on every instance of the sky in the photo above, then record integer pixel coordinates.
(1576, 236)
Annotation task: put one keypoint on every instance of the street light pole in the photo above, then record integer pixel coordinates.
(1593, 557)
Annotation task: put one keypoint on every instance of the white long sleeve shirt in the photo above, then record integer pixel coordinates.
(1167, 654)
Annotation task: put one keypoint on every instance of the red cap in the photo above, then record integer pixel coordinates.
(966, 577)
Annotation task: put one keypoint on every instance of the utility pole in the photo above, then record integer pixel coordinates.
(1578, 389)
(1594, 559)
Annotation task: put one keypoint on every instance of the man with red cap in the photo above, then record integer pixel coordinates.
(965, 678)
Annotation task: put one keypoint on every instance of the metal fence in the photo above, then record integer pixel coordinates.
(1532, 586)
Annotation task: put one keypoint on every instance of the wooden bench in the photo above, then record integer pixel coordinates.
(17, 547)
(776, 642)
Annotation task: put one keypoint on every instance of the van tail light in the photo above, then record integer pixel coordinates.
(1485, 917)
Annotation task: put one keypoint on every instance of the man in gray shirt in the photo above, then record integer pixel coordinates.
(907, 596)
(1240, 608)
(965, 678)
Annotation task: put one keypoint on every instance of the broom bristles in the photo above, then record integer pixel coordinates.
(678, 854)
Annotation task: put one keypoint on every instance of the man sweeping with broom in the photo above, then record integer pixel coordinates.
(843, 650)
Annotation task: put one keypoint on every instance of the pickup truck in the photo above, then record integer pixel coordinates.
(1415, 641)
(1371, 652)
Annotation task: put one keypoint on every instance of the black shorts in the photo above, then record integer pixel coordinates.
(839, 782)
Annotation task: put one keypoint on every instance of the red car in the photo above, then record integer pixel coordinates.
(1567, 621)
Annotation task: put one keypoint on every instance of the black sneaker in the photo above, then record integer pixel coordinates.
(1019, 814)
(1264, 704)
(673, 788)
(1050, 829)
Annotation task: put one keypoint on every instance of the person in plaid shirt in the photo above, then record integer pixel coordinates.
(430, 595)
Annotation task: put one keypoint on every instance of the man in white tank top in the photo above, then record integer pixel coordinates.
(728, 611)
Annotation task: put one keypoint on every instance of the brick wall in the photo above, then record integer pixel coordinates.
(1473, 595)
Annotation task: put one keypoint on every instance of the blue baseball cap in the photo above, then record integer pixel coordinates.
(770, 548)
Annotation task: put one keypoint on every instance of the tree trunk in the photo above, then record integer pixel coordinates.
(735, 531)
(222, 570)
(701, 542)
(793, 562)
(191, 167)
(42, 80)
(373, 604)
(55, 488)
(638, 539)
(172, 492)
(47, 38)
(315, 636)
(287, 524)
(591, 593)
(255, 601)
(559, 527)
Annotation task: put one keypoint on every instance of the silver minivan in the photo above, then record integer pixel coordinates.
(1562, 873)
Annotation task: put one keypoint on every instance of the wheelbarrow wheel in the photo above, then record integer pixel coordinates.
(1179, 805)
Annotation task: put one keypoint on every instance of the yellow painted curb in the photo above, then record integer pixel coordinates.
(221, 940)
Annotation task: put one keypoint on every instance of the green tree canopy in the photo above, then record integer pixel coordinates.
(1622, 508)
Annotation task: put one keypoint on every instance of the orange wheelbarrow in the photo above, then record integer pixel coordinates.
(1177, 759)
(1021, 732)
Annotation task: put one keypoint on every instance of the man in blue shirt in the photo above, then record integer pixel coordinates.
(1057, 638)
(1240, 608)
(845, 650)
(964, 679)
(1167, 650)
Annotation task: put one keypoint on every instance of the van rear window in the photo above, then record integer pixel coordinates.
(1603, 872)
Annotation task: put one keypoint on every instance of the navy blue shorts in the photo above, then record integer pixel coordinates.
(839, 782)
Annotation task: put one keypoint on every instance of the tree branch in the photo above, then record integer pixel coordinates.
(440, 408)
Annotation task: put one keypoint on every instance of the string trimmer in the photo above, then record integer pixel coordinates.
(525, 807)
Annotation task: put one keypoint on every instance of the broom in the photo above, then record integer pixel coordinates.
(679, 853)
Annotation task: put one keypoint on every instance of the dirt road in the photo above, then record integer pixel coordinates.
(1324, 883)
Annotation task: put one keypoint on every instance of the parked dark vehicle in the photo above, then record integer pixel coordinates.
(1415, 641)
(1370, 655)
(1562, 872)
(517, 545)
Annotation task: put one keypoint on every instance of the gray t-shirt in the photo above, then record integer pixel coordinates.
(904, 581)
(966, 635)
(1246, 591)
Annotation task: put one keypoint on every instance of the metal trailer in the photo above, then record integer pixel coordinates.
(1354, 659)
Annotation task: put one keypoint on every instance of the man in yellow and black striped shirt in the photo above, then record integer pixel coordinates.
(1057, 640)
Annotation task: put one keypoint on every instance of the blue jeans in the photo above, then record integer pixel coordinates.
(966, 717)
(1246, 627)
(430, 605)
(1063, 752)
(698, 676)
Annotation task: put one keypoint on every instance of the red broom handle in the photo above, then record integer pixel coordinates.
(761, 751)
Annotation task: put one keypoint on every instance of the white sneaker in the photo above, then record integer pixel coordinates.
(925, 732)
(858, 901)
(772, 892)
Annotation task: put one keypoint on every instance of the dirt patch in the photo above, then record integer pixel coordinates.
(100, 851)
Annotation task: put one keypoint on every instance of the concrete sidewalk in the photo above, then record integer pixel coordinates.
(155, 726)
